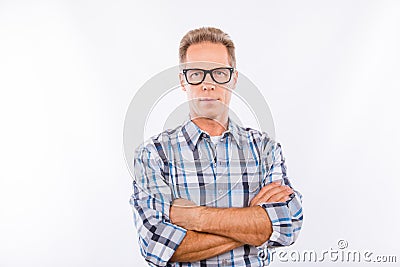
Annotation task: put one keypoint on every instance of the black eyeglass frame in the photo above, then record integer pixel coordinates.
(210, 72)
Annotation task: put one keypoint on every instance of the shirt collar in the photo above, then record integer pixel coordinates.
(192, 132)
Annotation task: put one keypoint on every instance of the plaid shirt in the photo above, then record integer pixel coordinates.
(184, 163)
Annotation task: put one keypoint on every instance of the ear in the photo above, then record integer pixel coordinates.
(182, 81)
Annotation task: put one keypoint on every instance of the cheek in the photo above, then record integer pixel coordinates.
(193, 91)
(225, 93)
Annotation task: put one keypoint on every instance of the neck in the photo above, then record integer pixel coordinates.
(212, 126)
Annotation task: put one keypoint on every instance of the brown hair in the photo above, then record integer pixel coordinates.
(207, 34)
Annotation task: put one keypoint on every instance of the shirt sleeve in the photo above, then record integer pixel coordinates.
(150, 201)
(286, 217)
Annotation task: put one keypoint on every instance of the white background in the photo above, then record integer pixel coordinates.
(69, 69)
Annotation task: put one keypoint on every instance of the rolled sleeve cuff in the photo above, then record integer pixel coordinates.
(281, 220)
(164, 244)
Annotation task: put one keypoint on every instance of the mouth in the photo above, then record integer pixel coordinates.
(208, 99)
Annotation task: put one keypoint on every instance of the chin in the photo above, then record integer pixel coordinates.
(210, 114)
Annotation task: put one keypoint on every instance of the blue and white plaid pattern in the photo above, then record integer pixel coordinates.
(184, 163)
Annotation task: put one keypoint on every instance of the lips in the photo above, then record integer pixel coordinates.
(207, 99)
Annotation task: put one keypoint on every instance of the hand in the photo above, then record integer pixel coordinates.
(273, 192)
(185, 213)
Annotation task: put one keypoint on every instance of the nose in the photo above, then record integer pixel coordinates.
(208, 87)
(208, 84)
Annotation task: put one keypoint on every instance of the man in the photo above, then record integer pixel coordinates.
(210, 192)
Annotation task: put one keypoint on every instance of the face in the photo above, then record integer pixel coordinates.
(208, 99)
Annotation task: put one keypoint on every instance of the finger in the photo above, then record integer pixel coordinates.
(268, 187)
(280, 197)
(277, 195)
(278, 190)
(265, 189)
(283, 199)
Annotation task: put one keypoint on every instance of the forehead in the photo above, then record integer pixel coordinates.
(207, 55)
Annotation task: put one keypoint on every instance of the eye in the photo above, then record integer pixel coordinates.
(195, 74)
(220, 73)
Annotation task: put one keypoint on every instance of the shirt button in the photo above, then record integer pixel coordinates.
(225, 262)
(220, 191)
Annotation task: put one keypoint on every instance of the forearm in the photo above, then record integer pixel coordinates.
(250, 225)
(197, 246)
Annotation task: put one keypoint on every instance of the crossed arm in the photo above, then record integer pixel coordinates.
(184, 232)
(213, 231)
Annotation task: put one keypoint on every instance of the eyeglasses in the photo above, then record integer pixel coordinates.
(197, 76)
